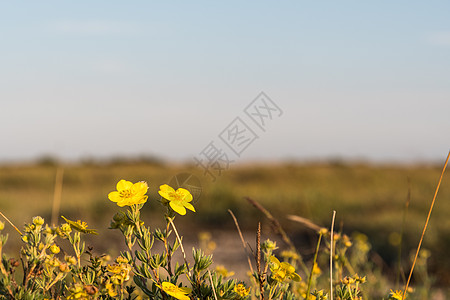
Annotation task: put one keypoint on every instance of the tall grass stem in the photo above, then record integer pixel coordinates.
(57, 195)
(331, 253)
(400, 271)
(181, 246)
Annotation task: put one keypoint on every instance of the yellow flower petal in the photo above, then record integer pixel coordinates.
(289, 269)
(167, 192)
(295, 277)
(114, 196)
(178, 207)
(189, 206)
(140, 188)
(142, 200)
(275, 261)
(124, 185)
(185, 290)
(184, 194)
(123, 203)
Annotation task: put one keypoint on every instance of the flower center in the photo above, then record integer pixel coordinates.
(171, 289)
(126, 194)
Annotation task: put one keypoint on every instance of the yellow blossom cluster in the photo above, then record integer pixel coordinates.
(241, 290)
(129, 194)
(282, 271)
(120, 271)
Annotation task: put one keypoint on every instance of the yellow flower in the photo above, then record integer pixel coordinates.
(38, 221)
(241, 290)
(223, 271)
(319, 295)
(128, 194)
(176, 292)
(80, 226)
(54, 249)
(111, 290)
(178, 200)
(71, 260)
(282, 271)
(346, 241)
(120, 270)
(77, 291)
(316, 270)
(323, 231)
(397, 295)
(359, 278)
(348, 280)
(290, 254)
(53, 262)
(64, 231)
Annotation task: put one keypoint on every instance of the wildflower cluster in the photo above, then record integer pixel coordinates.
(156, 274)
(142, 272)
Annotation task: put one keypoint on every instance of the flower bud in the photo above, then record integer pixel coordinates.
(63, 267)
(323, 231)
(269, 245)
(121, 260)
(38, 221)
(90, 289)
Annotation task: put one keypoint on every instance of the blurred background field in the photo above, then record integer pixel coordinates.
(367, 82)
(368, 198)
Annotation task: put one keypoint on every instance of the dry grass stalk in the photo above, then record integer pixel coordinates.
(276, 225)
(258, 261)
(304, 221)
(10, 223)
(242, 240)
(212, 284)
(279, 230)
(425, 226)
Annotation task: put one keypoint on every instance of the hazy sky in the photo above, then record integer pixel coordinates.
(354, 79)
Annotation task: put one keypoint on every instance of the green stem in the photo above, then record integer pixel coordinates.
(169, 254)
(181, 246)
(272, 291)
(350, 291)
(313, 265)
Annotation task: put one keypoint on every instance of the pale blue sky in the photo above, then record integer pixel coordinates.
(99, 78)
